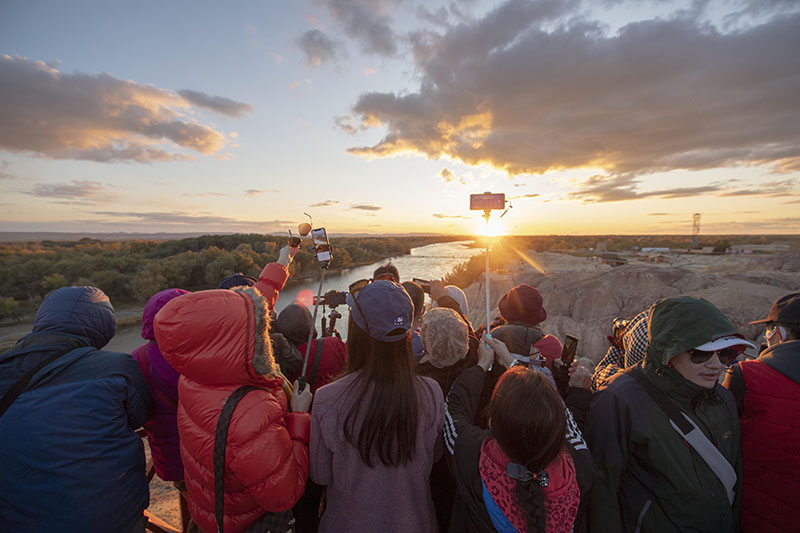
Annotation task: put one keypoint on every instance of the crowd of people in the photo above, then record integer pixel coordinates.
(419, 422)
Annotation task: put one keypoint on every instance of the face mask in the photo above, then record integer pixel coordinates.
(775, 335)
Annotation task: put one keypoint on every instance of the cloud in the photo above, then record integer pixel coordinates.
(3, 167)
(440, 215)
(659, 214)
(772, 188)
(75, 191)
(447, 175)
(365, 207)
(220, 104)
(532, 195)
(345, 124)
(325, 203)
(204, 194)
(95, 117)
(255, 192)
(366, 21)
(319, 48)
(529, 88)
(179, 218)
(601, 188)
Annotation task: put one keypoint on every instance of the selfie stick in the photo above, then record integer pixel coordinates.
(486, 213)
(302, 379)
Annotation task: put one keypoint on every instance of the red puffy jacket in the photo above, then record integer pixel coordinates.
(218, 341)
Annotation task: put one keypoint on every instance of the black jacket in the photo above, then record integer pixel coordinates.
(463, 441)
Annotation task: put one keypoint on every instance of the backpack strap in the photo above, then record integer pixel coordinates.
(220, 443)
(317, 357)
(155, 390)
(692, 435)
(22, 384)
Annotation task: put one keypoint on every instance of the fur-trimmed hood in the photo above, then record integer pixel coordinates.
(217, 336)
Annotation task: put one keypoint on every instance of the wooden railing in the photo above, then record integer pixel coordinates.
(154, 523)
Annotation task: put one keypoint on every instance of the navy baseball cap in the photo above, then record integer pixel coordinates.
(237, 280)
(389, 308)
(784, 311)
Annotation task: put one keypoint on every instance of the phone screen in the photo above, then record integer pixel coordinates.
(319, 236)
(570, 347)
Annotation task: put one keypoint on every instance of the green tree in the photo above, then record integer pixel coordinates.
(53, 282)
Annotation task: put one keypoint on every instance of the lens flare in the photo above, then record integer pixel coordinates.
(525, 257)
(495, 228)
(306, 297)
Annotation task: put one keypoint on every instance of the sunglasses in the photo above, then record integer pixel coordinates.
(726, 355)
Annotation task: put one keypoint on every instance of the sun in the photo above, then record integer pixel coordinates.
(495, 228)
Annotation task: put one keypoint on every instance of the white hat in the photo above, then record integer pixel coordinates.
(724, 342)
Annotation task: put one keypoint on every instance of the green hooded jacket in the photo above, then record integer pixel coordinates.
(648, 477)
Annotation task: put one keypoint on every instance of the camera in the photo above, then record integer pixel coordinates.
(332, 298)
(424, 283)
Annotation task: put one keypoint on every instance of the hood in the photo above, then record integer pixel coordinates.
(785, 358)
(218, 336)
(82, 311)
(153, 306)
(678, 324)
(294, 323)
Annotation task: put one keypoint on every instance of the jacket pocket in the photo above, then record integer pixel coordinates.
(642, 513)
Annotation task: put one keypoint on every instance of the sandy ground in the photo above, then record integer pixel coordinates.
(163, 498)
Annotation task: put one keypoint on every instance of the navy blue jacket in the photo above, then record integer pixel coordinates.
(71, 460)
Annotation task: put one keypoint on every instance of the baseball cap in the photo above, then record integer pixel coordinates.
(388, 307)
(785, 310)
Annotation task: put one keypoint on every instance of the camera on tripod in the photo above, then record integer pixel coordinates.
(331, 298)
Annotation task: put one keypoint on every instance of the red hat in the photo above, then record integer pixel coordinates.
(523, 303)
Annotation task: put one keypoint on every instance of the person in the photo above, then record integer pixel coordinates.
(376, 432)
(387, 272)
(288, 357)
(219, 342)
(628, 344)
(521, 474)
(162, 381)
(445, 336)
(767, 392)
(71, 459)
(294, 323)
(665, 434)
(452, 297)
(417, 295)
(523, 310)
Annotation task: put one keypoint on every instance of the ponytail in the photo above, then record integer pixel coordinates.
(531, 500)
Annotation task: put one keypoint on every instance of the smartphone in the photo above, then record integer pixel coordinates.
(570, 348)
(487, 201)
(322, 246)
(424, 283)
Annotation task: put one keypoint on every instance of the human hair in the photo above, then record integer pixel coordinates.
(388, 268)
(388, 421)
(529, 423)
(417, 296)
(445, 336)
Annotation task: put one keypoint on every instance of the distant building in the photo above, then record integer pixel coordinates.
(655, 250)
(760, 248)
(613, 259)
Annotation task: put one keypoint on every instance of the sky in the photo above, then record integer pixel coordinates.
(383, 116)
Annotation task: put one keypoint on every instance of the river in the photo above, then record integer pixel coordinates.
(427, 262)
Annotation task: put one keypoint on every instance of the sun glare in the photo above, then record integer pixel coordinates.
(495, 228)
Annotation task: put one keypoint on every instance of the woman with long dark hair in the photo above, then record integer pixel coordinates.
(376, 432)
(522, 474)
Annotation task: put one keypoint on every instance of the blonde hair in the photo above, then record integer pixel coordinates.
(445, 337)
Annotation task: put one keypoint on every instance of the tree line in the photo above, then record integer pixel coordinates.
(132, 271)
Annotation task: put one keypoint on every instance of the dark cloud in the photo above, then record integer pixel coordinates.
(618, 188)
(440, 215)
(367, 22)
(319, 48)
(527, 95)
(220, 104)
(365, 207)
(96, 117)
(75, 191)
(325, 203)
(438, 18)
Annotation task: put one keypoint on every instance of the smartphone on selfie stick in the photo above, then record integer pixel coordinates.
(569, 351)
(324, 253)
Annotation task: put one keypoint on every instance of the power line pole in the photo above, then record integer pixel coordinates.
(695, 229)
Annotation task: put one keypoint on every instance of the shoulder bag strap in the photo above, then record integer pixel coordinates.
(220, 443)
(21, 386)
(317, 357)
(155, 390)
(693, 435)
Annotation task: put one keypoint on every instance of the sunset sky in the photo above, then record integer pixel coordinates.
(382, 116)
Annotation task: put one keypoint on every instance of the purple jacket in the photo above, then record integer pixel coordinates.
(162, 380)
